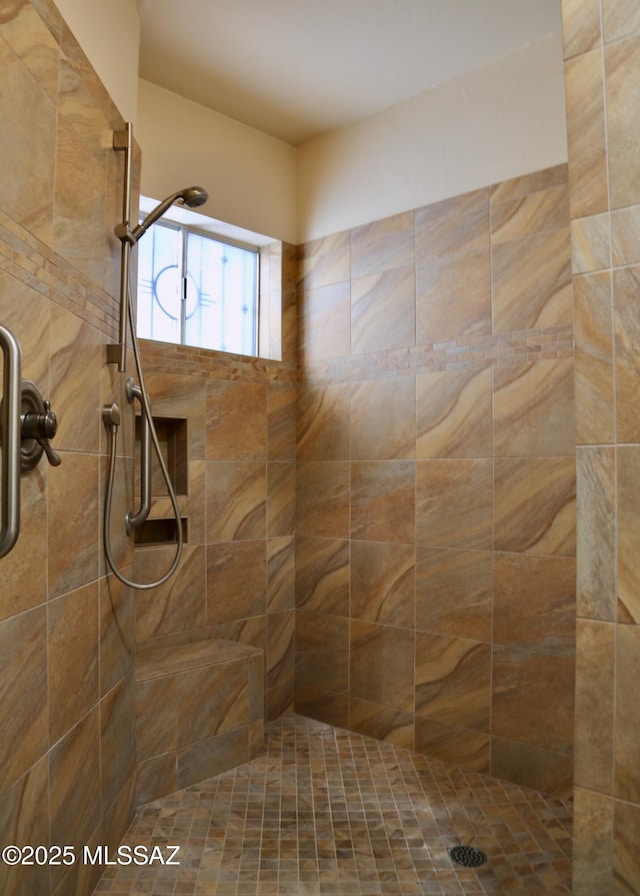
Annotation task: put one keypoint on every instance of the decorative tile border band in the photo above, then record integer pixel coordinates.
(455, 354)
(30, 261)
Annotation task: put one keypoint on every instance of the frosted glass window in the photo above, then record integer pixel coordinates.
(197, 290)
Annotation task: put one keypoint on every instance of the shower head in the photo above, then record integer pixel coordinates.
(191, 197)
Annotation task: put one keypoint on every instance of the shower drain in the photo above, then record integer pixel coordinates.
(468, 856)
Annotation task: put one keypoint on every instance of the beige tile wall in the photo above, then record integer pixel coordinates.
(66, 628)
(602, 74)
(436, 497)
(236, 578)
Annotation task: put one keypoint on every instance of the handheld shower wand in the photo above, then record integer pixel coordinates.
(192, 197)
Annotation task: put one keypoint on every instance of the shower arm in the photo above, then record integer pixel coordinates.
(117, 352)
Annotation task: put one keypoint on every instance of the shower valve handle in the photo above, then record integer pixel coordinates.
(39, 424)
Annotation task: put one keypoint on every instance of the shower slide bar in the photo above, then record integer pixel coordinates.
(10, 440)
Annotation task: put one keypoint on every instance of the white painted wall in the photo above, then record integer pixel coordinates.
(502, 120)
(250, 176)
(109, 34)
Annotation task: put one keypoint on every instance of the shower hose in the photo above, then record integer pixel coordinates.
(113, 432)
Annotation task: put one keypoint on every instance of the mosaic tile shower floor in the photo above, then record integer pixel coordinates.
(325, 812)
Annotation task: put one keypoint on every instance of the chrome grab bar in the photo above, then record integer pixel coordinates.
(136, 519)
(10, 440)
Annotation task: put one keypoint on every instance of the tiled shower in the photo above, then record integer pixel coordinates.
(389, 515)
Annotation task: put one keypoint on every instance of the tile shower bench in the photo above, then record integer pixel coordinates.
(199, 712)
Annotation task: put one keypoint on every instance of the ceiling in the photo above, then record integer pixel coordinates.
(298, 68)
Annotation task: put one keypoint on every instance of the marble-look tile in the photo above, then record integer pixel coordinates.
(382, 583)
(325, 261)
(323, 422)
(453, 226)
(317, 702)
(531, 278)
(236, 421)
(73, 657)
(281, 574)
(281, 498)
(75, 811)
(27, 314)
(532, 213)
(454, 503)
(464, 748)
(236, 500)
(281, 631)
(212, 756)
(24, 820)
(524, 684)
(35, 45)
(79, 204)
(625, 235)
(595, 680)
(382, 723)
(236, 581)
(454, 592)
(281, 423)
(626, 299)
(23, 735)
(196, 504)
(322, 499)
(620, 19)
(535, 508)
(453, 411)
(532, 766)
(622, 73)
(117, 632)
(156, 716)
(322, 575)
(117, 739)
(324, 323)
(383, 310)
(27, 147)
(591, 243)
(596, 590)
(592, 843)
(73, 560)
(21, 590)
(627, 715)
(251, 630)
(626, 831)
(534, 408)
(180, 603)
(381, 664)
(382, 245)
(383, 419)
(383, 500)
(628, 504)
(211, 700)
(594, 372)
(453, 297)
(521, 186)
(580, 26)
(156, 777)
(76, 359)
(185, 397)
(534, 602)
(453, 681)
(322, 651)
(588, 186)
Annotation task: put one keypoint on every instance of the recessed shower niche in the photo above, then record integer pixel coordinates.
(160, 525)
